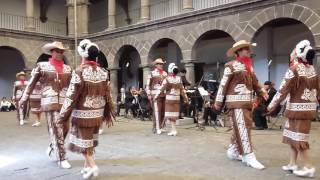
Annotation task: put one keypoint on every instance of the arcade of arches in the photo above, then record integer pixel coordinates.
(198, 45)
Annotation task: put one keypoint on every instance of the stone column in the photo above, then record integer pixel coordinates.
(145, 11)
(146, 68)
(189, 66)
(30, 15)
(82, 17)
(187, 5)
(316, 61)
(111, 14)
(114, 82)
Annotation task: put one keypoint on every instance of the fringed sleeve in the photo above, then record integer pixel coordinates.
(257, 87)
(35, 76)
(284, 89)
(73, 92)
(109, 113)
(162, 88)
(148, 86)
(222, 90)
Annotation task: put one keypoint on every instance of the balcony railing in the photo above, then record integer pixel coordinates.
(202, 4)
(15, 22)
(158, 9)
(165, 8)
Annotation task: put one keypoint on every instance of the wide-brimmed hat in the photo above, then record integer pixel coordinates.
(159, 61)
(54, 45)
(20, 74)
(238, 45)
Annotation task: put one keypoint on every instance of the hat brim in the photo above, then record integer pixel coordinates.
(158, 62)
(20, 74)
(48, 47)
(231, 52)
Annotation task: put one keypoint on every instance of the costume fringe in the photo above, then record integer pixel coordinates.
(298, 145)
(109, 110)
(300, 115)
(89, 151)
(88, 122)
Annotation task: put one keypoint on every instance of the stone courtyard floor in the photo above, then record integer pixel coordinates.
(129, 150)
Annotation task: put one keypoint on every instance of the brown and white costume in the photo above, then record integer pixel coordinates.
(89, 103)
(173, 88)
(236, 89)
(301, 83)
(155, 79)
(53, 91)
(18, 89)
(35, 99)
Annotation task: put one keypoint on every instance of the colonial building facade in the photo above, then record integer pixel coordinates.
(193, 33)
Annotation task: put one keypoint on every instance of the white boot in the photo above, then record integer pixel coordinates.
(305, 172)
(36, 124)
(159, 131)
(84, 170)
(173, 131)
(94, 171)
(232, 153)
(251, 160)
(64, 164)
(21, 122)
(290, 167)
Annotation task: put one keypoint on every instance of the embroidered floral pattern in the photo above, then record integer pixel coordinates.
(48, 91)
(241, 89)
(66, 104)
(305, 71)
(85, 114)
(75, 78)
(94, 76)
(289, 74)
(94, 102)
(309, 95)
(237, 66)
(174, 80)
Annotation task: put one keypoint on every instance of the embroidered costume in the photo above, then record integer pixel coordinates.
(236, 89)
(54, 77)
(154, 81)
(301, 85)
(173, 88)
(89, 103)
(18, 89)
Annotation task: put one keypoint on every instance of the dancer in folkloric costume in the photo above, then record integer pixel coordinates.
(236, 89)
(89, 103)
(173, 88)
(301, 86)
(18, 89)
(155, 79)
(35, 103)
(54, 77)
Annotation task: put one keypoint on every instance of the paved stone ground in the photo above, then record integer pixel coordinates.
(128, 150)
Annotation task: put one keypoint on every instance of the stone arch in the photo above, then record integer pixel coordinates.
(276, 40)
(294, 11)
(209, 54)
(194, 34)
(170, 33)
(123, 41)
(161, 49)
(12, 62)
(129, 71)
